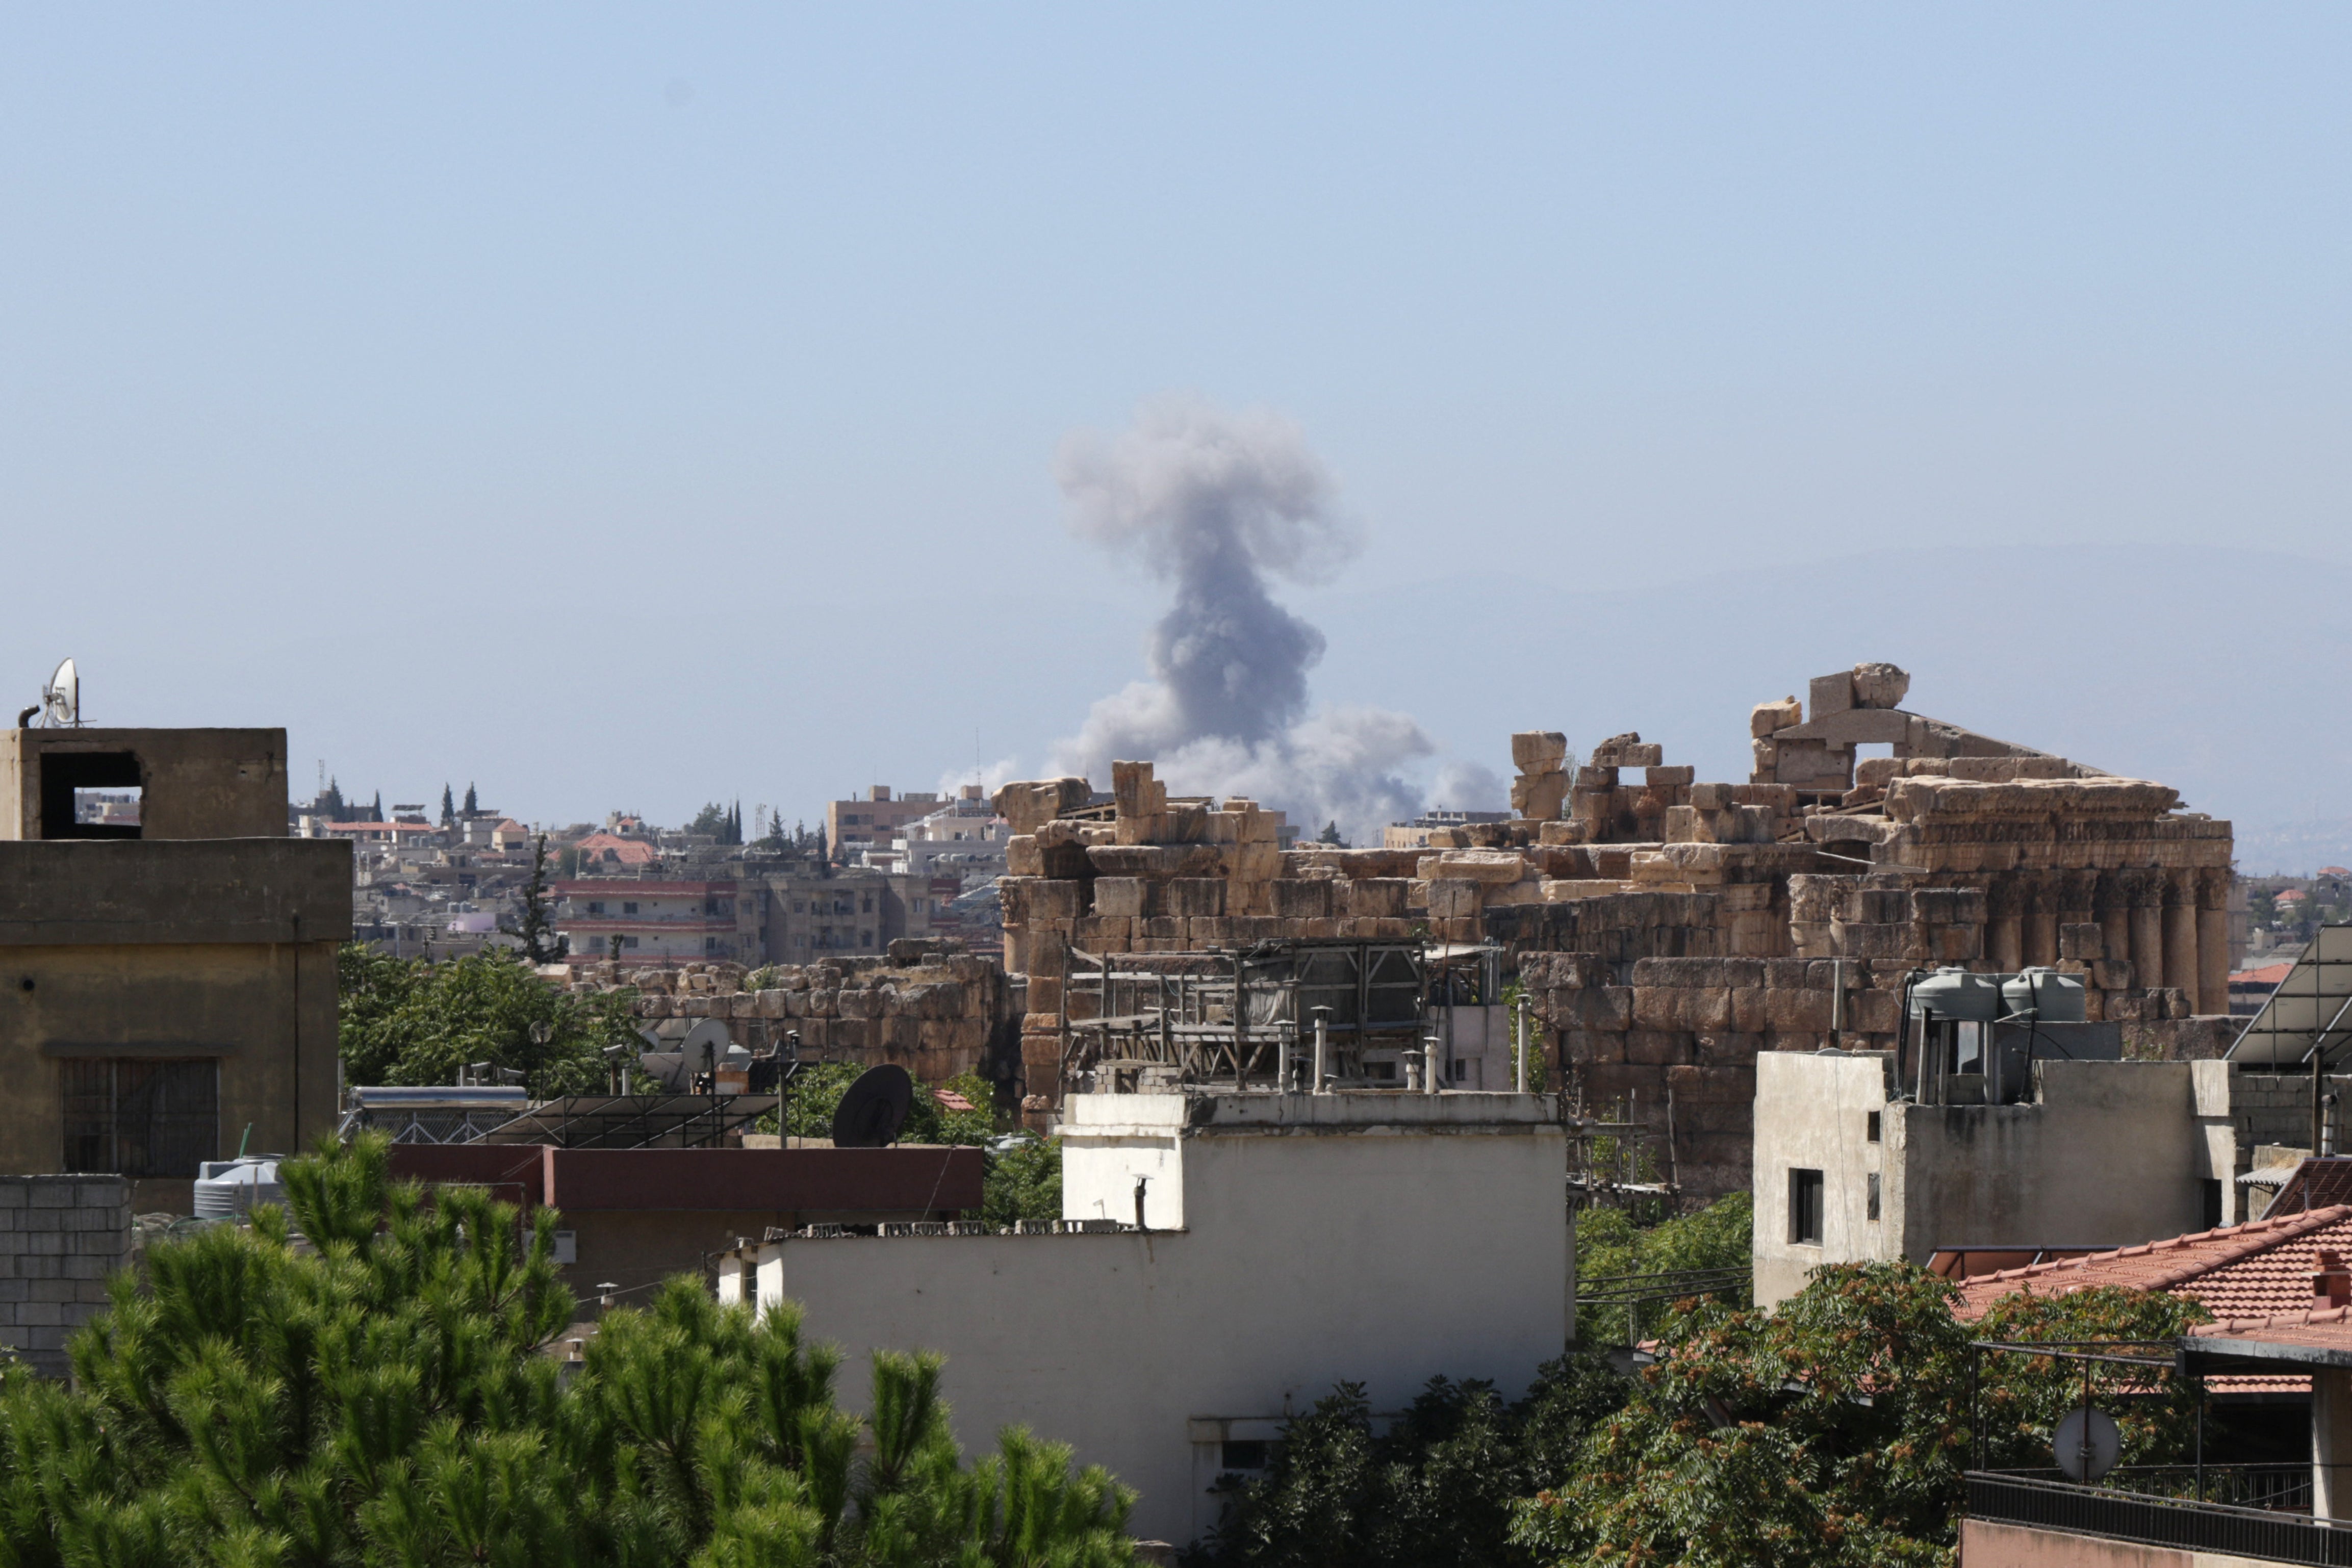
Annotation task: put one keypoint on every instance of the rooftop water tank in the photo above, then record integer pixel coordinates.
(227, 1188)
(1956, 993)
(2049, 996)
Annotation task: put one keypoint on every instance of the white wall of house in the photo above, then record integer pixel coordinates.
(2106, 1154)
(1294, 1242)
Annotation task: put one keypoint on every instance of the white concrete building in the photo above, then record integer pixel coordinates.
(1286, 1242)
(2101, 1155)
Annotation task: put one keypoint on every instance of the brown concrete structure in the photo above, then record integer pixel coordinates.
(168, 985)
(637, 1216)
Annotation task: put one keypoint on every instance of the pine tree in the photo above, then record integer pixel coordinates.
(375, 813)
(448, 807)
(385, 1396)
(470, 805)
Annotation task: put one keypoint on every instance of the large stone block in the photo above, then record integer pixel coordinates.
(1301, 898)
(1538, 750)
(1539, 796)
(1123, 897)
(1195, 897)
(1765, 720)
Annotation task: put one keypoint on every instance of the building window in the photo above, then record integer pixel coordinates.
(596, 906)
(2214, 1219)
(628, 909)
(796, 906)
(867, 905)
(710, 944)
(1871, 1202)
(628, 941)
(1805, 1208)
(865, 939)
(1243, 1456)
(800, 940)
(1870, 1127)
(139, 1118)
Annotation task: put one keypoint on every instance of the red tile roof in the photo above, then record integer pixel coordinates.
(2259, 1270)
(2325, 1328)
(2268, 975)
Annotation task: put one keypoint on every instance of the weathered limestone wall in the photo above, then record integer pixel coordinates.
(1669, 929)
(939, 1015)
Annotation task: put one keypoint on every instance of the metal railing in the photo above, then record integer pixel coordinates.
(2156, 1520)
(2274, 1487)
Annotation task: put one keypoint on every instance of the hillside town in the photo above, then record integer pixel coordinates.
(1170, 787)
(1961, 1006)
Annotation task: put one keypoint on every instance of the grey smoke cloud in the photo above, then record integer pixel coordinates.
(1217, 505)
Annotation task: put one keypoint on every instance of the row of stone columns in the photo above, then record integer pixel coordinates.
(2173, 925)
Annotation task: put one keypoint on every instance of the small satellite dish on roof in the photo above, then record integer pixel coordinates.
(2087, 1443)
(61, 698)
(874, 1110)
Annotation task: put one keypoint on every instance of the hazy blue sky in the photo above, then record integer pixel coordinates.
(625, 410)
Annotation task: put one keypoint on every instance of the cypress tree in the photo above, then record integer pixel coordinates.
(448, 807)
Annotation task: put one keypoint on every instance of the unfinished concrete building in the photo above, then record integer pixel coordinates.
(1667, 929)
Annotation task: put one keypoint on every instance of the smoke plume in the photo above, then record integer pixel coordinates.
(1216, 505)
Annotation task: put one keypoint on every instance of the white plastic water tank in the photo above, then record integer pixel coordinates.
(226, 1188)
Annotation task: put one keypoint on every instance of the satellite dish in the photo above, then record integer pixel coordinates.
(61, 698)
(875, 1109)
(2087, 1443)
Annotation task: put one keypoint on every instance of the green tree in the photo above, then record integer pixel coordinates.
(1023, 1182)
(1436, 1489)
(448, 807)
(411, 1020)
(472, 806)
(541, 943)
(1609, 1242)
(711, 819)
(1835, 1429)
(382, 1396)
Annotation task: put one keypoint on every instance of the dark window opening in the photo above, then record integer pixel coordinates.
(2212, 1196)
(137, 1118)
(1871, 1200)
(1870, 1127)
(1805, 1208)
(1243, 1456)
(69, 777)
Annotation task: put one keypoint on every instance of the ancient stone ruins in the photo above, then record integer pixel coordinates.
(1667, 930)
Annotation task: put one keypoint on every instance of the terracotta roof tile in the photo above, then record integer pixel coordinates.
(2259, 1270)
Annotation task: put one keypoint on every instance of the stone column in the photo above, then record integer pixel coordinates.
(2042, 919)
(2113, 906)
(2146, 897)
(2180, 932)
(2213, 942)
(2005, 922)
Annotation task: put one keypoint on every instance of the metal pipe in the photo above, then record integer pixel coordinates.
(1428, 1071)
(1520, 1073)
(1322, 1048)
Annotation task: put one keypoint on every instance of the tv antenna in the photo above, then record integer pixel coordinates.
(61, 699)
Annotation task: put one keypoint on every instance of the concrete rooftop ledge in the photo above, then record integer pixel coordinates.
(1261, 1111)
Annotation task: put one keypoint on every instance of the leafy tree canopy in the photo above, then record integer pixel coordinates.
(412, 1020)
(1436, 1489)
(1834, 1430)
(383, 1395)
(1609, 1242)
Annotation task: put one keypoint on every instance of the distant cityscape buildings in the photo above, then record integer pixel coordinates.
(883, 867)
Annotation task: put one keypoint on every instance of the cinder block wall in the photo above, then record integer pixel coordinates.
(60, 1236)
